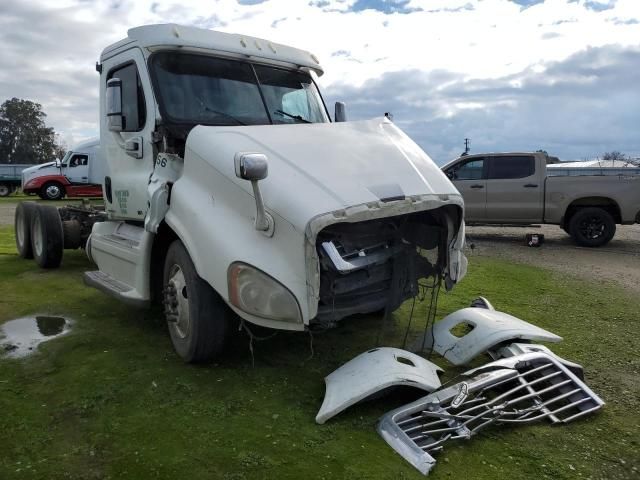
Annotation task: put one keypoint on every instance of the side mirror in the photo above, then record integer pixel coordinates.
(340, 112)
(114, 105)
(254, 167)
(251, 166)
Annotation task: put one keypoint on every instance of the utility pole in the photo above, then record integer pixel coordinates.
(466, 146)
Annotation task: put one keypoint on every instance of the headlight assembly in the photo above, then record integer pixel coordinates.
(256, 293)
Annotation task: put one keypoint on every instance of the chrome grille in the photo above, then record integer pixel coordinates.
(520, 389)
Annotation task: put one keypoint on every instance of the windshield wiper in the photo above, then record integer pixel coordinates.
(295, 117)
(223, 114)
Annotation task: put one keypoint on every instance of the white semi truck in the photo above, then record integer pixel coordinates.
(230, 192)
(78, 174)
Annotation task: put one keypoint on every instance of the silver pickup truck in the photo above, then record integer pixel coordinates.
(518, 189)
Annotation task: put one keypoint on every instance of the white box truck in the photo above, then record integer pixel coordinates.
(230, 192)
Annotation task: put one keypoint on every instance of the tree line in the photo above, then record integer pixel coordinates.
(24, 135)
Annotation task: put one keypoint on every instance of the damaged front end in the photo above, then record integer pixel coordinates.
(372, 257)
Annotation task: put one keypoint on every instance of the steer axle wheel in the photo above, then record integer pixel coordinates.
(46, 236)
(52, 191)
(592, 227)
(199, 321)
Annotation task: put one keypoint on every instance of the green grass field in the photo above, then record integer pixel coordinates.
(112, 400)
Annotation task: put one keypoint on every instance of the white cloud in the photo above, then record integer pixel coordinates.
(50, 49)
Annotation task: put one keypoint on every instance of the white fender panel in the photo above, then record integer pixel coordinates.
(372, 372)
(490, 329)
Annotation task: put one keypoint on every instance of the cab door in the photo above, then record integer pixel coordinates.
(514, 190)
(77, 168)
(128, 153)
(468, 176)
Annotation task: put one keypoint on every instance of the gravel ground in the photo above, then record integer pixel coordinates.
(617, 262)
(6, 213)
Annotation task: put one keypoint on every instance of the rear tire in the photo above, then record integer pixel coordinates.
(199, 320)
(5, 190)
(22, 228)
(52, 191)
(592, 227)
(46, 236)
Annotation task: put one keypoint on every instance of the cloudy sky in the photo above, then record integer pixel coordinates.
(561, 75)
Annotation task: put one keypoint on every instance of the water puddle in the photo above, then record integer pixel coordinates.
(21, 337)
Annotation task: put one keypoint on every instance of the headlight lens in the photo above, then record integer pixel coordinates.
(255, 292)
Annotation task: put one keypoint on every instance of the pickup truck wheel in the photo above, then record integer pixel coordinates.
(5, 190)
(46, 236)
(592, 227)
(52, 191)
(199, 320)
(22, 227)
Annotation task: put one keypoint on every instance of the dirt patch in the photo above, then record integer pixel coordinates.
(617, 262)
(6, 213)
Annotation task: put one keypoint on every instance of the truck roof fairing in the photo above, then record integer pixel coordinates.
(172, 35)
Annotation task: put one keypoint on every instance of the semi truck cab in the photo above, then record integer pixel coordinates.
(231, 194)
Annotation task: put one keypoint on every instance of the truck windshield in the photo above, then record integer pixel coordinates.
(65, 159)
(196, 89)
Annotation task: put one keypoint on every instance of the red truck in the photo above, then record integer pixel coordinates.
(78, 174)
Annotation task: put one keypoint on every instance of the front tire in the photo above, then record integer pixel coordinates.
(592, 227)
(52, 191)
(5, 190)
(46, 236)
(199, 320)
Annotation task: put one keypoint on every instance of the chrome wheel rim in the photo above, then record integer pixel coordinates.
(52, 191)
(4, 191)
(37, 236)
(177, 303)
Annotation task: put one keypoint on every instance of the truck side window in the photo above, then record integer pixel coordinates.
(516, 166)
(133, 106)
(78, 160)
(471, 170)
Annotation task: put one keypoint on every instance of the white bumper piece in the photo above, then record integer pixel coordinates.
(372, 372)
(490, 328)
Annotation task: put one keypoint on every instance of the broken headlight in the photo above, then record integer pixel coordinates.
(256, 293)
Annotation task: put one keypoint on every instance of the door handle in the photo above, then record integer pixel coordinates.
(531, 185)
(133, 147)
(477, 186)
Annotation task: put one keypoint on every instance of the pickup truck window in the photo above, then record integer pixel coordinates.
(516, 166)
(133, 107)
(471, 170)
(197, 89)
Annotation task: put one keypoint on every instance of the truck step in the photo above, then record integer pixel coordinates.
(109, 285)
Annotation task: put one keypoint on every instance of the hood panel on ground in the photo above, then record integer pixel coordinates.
(319, 168)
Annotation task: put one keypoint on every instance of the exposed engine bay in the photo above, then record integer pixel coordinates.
(376, 264)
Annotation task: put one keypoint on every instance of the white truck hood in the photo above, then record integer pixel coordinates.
(49, 168)
(319, 168)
